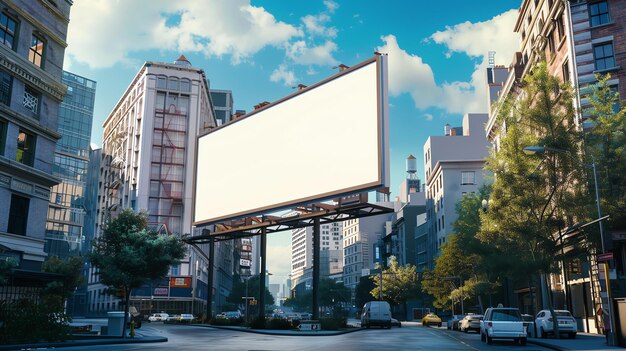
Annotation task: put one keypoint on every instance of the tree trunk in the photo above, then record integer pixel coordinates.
(126, 309)
(555, 322)
(480, 303)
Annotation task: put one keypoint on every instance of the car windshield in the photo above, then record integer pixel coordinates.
(475, 318)
(562, 313)
(506, 315)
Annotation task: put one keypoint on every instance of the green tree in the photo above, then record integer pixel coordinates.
(606, 143)
(127, 254)
(6, 266)
(363, 290)
(333, 293)
(400, 283)
(238, 290)
(57, 292)
(534, 198)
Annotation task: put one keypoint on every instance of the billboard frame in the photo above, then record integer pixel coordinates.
(382, 147)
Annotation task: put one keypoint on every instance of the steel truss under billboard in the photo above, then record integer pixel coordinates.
(325, 141)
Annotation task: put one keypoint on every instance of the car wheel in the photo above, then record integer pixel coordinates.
(439, 325)
(489, 340)
(464, 330)
(522, 341)
(542, 333)
(572, 335)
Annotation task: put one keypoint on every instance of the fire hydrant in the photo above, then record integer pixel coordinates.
(132, 329)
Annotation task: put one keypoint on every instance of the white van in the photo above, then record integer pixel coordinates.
(376, 313)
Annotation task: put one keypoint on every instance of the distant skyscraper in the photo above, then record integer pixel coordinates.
(222, 105)
(66, 212)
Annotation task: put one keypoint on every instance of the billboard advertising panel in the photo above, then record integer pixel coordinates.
(327, 140)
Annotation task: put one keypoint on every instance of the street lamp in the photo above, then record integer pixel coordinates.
(535, 149)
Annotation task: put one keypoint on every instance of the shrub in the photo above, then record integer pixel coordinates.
(25, 321)
(333, 324)
(257, 323)
(279, 324)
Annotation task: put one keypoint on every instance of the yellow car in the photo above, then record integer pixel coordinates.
(431, 319)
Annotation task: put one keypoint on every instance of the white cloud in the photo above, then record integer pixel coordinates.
(283, 74)
(316, 25)
(410, 74)
(300, 53)
(213, 27)
(331, 6)
(428, 117)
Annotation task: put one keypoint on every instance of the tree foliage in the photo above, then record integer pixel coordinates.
(331, 294)
(127, 254)
(238, 291)
(400, 283)
(606, 144)
(362, 292)
(57, 292)
(533, 196)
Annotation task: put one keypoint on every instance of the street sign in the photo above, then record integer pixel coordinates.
(605, 257)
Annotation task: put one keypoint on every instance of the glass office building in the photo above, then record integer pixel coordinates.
(66, 211)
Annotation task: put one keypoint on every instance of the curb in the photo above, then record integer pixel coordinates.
(546, 345)
(279, 333)
(83, 342)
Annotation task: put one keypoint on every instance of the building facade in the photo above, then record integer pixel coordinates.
(147, 163)
(453, 166)
(32, 46)
(302, 253)
(66, 212)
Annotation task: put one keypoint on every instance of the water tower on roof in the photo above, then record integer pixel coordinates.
(411, 167)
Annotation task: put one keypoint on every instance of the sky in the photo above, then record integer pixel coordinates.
(261, 49)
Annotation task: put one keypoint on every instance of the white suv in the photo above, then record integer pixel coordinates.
(567, 323)
(502, 323)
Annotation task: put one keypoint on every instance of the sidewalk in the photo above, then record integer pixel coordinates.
(96, 340)
(583, 342)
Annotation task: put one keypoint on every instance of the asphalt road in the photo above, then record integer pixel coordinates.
(409, 337)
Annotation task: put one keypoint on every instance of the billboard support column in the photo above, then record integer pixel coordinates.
(263, 273)
(209, 288)
(316, 268)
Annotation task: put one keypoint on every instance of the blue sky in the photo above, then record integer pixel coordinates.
(261, 49)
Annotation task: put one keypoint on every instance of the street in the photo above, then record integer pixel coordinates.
(411, 336)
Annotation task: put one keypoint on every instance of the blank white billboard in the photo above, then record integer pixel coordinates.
(327, 140)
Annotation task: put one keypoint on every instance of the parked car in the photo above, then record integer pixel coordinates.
(233, 316)
(186, 318)
(376, 313)
(173, 318)
(306, 316)
(502, 323)
(431, 319)
(396, 323)
(453, 324)
(158, 317)
(470, 322)
(529, 323)
(545, 326)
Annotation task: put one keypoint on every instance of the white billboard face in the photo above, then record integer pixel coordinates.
(324, 141)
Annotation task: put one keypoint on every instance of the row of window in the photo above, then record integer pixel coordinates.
(8, 33)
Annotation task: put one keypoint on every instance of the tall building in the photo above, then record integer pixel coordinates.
(147, 163)
(302, 253)
(361, 239)
(32, 46)
(222, 105)
(453, 166)
(66, 212)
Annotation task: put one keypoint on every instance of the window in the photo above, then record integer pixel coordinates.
(565, 69)
(8, 28)
(35, 53)
(18, 215)
(599, 13)
(31, 100)
(6, 82)
(604, 56)
(467, 178)
(3, 136)
(25, 148)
